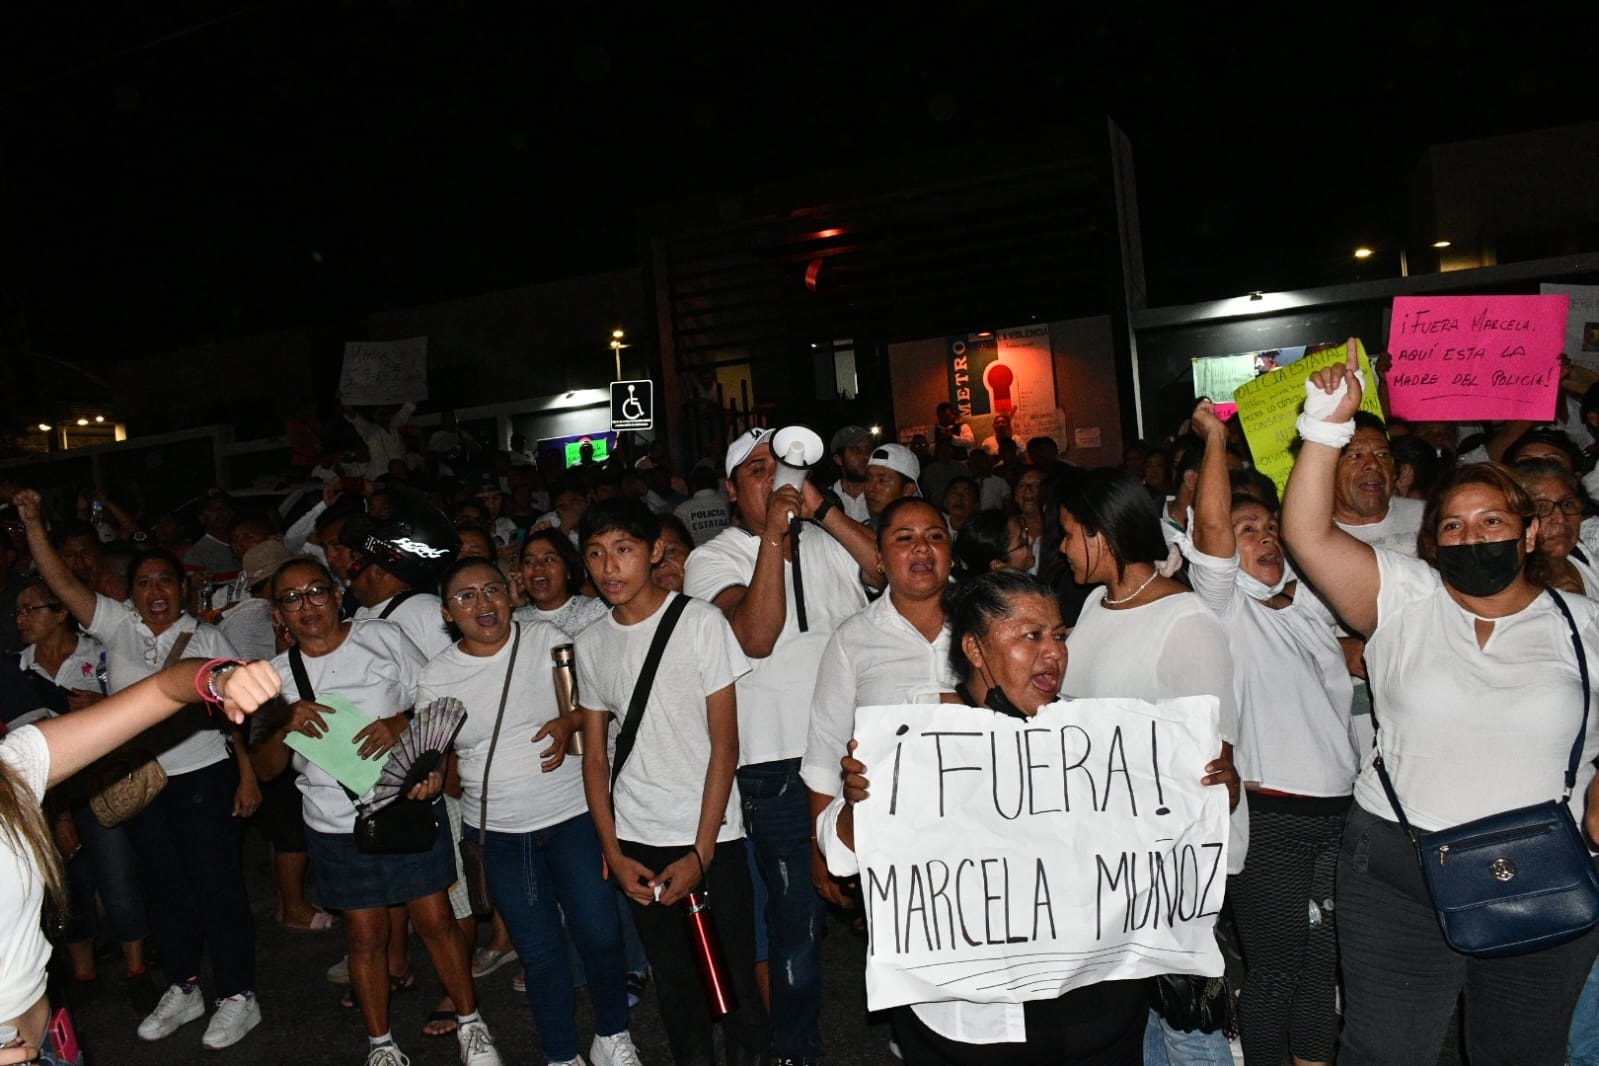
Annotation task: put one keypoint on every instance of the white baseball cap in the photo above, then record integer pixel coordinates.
(897, 458)
(743, 444)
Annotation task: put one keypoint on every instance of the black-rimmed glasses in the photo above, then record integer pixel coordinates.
(296, 599)
(1570, 506)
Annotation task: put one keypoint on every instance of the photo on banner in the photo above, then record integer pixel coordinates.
(1269, 406)
(1006, 860)
(1219, 376)
(1581, 347)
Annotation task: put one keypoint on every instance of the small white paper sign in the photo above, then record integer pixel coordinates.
(377, 373)
(1006, 860)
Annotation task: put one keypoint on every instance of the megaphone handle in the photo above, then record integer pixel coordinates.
(794, 524)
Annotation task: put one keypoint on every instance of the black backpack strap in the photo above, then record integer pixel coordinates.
(641, 688)
(397, 599)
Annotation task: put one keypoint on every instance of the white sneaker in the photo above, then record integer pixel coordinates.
(234, 1017)
(339, 972)
(387, 1055)
(614, 1050)
(477, 1046)
(177, 1008)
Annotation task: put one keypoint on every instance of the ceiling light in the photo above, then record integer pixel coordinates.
(1363, 253)
(99, 418)
(616, 334)
(83, 421)
(877, 431)
(1440, 244)
(44, 427)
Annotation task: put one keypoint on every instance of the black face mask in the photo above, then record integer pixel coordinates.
(1480, 569)
(996, 701)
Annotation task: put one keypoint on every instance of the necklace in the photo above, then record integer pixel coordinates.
(1133, 595)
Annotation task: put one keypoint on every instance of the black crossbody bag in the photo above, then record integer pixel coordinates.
(1517, 881)
(403, 827)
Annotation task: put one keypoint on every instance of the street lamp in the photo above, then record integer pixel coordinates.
(616, 349)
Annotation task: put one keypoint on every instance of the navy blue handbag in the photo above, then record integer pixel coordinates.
(1517, 881)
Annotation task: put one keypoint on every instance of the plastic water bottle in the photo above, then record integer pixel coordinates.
(1315, 916)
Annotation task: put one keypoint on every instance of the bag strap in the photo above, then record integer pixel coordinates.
(302, 680)
(177, 648)
(1576, 747)
(510, 668)
(1582, 668)
(397, 599)
(641, 688)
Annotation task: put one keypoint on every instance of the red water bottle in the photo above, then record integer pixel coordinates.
(707, 948)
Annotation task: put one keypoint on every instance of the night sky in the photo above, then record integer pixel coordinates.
(175, 173)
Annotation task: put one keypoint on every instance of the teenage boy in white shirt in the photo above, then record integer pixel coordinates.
(671, 825)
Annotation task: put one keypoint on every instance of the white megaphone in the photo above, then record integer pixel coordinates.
(797, 448)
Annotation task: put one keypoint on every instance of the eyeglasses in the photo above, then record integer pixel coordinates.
(296, 599)
(468, 598)
(1570, 506)
(23, 612)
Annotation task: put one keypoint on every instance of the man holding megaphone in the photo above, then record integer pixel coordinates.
(793, 569)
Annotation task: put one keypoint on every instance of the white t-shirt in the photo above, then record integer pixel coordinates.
(24, 951)
(571, 617)
(376, 669)
(80, 670)
(1291, 682)
(774, 698)
(994, 491)
(211, 556)
(874, 658)
(133, 653)
(1396, 531)
(854, 506)
(1171, 647)
(705, 514)
(1466, 732)
(522, 798)
(421, 615)
(657, 797)
(248, 627)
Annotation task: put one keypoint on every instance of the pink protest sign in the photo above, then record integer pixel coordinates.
(1476, 358)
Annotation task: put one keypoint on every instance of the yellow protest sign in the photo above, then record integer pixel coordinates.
(1269, 405)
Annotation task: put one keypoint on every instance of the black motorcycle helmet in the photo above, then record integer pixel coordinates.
(415, 544)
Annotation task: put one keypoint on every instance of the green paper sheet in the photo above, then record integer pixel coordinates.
(336, 751)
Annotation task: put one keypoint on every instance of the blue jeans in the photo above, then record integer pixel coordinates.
(536, 877)
(187, 841)
(1163, 1045)
(108, 868)
(1582, 1047)
(777, 817)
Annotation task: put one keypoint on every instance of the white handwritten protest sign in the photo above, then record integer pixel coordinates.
(1005, 859)
(1476, 358)
(384, 372)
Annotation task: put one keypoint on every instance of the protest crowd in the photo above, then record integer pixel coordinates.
(536, 715)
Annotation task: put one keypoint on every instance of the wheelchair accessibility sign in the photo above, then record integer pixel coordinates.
(632, 405)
